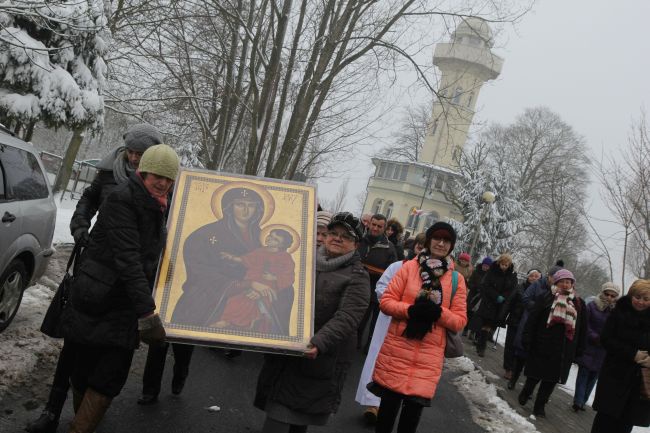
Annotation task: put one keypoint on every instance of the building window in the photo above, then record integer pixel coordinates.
(440, 180)
(398, 168)
(431, 218)
(388, 210)
(470, 99)
(457, 95)
(434, 127)
(376, 206)
(413, 222)
(381, 170)
(405, 170)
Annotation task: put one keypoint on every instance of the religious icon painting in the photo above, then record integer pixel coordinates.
(238, 266)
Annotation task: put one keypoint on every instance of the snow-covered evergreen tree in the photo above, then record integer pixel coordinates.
(502, 220)
(51, 64)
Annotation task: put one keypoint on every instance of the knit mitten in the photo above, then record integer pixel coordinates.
(151, 330)
(422, 315)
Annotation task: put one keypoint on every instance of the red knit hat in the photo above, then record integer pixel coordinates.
(464, 256)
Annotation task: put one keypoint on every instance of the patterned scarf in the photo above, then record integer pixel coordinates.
(431, 292)
(430, 271)
(563, 311)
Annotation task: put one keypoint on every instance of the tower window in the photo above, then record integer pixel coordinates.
(457, 94)
(469, 100)
(405, 170)
(381, 170)
(434, 127)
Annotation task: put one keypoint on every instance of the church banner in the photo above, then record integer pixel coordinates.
(238, 266)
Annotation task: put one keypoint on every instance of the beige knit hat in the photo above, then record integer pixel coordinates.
(323, 218)
(161, 160)
(611, 286)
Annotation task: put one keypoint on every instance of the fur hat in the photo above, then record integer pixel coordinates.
(612, 287)
(161, 160)
(323, 218)
(563, 274)
(142, 136)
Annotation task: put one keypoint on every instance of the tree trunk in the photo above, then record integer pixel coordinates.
(63, 176)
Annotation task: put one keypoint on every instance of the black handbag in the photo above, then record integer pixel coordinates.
(454, 347)
(51, 325)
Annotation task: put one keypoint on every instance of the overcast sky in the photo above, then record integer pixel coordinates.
(587, 60)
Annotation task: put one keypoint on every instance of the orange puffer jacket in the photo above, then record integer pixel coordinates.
(413, 367)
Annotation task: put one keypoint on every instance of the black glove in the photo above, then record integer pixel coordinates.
(151, 330)
(422, 315)
(80, 236)
(427, 310)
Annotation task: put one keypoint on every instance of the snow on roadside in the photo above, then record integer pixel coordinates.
(65, 209)
(22, 344)
(488, 409)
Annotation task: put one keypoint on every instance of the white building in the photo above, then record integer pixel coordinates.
(398, 187)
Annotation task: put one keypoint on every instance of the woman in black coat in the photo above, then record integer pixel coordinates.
(296, 391)
(499, 282)
(626, 339)
(553, 335)
(110, 298)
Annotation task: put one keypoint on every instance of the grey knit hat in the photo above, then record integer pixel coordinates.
(140, 137)
(323, 218)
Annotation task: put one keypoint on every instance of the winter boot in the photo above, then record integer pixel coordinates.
(527, 391)
(481, 343)
(90, 412)
(49, 419)
(46, 423)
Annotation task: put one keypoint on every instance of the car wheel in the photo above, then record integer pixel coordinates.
(12, 284)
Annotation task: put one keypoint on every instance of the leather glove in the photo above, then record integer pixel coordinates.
(151, 330)
(500, 299)
(80, 236)
(425, 310)
(640, 356)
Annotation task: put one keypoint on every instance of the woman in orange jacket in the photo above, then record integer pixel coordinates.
(419, 300)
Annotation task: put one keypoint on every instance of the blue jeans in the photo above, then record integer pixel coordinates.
(585, 382)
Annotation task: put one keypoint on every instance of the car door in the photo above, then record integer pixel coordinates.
(10, 213)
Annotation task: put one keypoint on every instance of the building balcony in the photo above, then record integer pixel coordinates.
(473, 56)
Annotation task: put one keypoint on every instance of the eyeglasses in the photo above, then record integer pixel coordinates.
(341, 235)
(443, 240)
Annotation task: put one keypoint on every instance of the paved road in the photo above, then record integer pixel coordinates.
(230, 384)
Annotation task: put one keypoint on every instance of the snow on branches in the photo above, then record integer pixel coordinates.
(499, 221)
(51, 63)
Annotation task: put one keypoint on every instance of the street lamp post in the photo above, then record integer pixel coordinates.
(488, 198)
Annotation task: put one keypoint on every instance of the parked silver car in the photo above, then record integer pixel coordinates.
(28, 215)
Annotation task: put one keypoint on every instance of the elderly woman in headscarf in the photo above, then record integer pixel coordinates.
(553, 334)
(592, 358)
(420, 300)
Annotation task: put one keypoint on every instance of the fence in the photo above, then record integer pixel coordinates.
(83, 173)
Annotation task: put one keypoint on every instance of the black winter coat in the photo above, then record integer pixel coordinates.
(116, 272)
(617, 392)
(513, 307)
(314, 386)
(550, 352)
(496, 283)
(474, 287)
(101, 187)
(380, 254)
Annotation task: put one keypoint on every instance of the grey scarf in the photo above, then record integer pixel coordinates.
(121, 168)
(326, 264)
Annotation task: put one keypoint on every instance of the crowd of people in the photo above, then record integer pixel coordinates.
(395, 297)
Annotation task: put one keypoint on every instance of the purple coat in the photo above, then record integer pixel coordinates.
(594, 354)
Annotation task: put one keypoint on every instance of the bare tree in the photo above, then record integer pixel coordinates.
(409, 138)
(337, 203)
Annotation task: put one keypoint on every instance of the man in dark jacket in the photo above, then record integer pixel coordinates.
(110, 307)
(112, 170)
(377, 253)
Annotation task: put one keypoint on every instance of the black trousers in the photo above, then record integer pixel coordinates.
(61, 381)
(371, 315)
(543, 393)
(509, 349)
(156, 356)
(604, 423)
(389, 409)
(103, 369)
